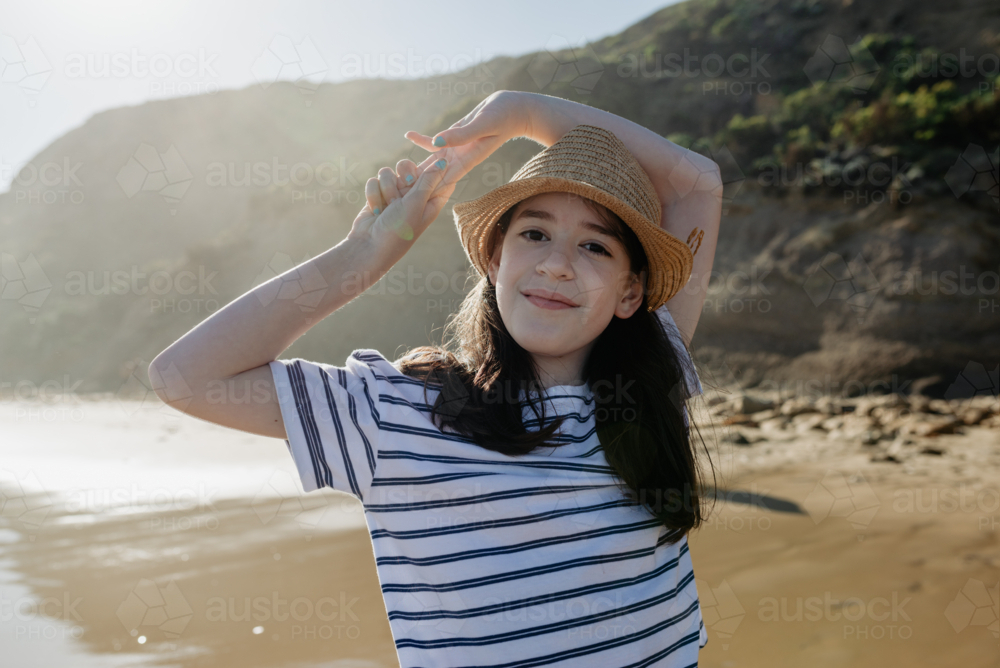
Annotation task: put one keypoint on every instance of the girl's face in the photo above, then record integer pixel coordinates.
(560, 276)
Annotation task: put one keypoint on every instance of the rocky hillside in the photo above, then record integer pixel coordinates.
(859, 244)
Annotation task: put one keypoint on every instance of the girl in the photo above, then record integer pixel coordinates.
(529, 487)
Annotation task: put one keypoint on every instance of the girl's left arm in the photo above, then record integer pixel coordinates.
(689, 186)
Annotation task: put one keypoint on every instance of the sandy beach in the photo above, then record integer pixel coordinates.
(134, 536)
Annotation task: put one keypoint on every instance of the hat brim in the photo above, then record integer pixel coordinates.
(670, 259)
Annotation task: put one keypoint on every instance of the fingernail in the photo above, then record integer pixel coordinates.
(409, 177)
(377, 210)
(440, 163)
(439, 141)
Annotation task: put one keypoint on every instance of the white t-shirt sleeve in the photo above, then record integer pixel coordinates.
(691, 378)
(331, 417)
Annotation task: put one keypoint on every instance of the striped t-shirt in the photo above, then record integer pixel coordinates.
(486, 559)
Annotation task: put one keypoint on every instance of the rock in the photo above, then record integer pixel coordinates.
(774, 424)
(716, 398)
(887, 414)
(895, 452)
(987, 402)
(929, 450)
(871, 437)
(740, 418)
(829, 405)
(972, 416)
(918, 403)
(794, 407)
(940, 406)
(944, 425)
(864, 407)
(765, 415)
(832, 423)
(853, 426)
(992, 422)
(748, 404)
(735, 437)
(805, 423)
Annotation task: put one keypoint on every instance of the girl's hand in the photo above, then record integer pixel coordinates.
(403, 203)
(501, 116)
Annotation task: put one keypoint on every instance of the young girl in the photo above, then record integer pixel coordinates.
(529, 487)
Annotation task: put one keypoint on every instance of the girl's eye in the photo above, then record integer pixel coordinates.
(595, 247)
(533, 235)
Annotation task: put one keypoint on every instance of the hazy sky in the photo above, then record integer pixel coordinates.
(64, 60)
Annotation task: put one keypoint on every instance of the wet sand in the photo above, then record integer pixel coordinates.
(111, 554)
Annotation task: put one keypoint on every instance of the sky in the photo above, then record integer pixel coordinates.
(63, 61)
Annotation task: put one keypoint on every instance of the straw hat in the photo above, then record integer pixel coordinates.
(590, 162)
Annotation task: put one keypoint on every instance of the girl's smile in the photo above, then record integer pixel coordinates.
(548, 299)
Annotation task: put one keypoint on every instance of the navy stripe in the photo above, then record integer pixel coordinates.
(668, 650)
(497, 523)
(607, 644)
(567, 654)
(526, 572)
(338, 429)
(519, 547)
(399, 401)
(371, 404)
(563, 625)
(566, 416)
(314, 444)
(404, 380)
(352, 410)
(510, 461)
(429, 433)
(480, 498)
(428, 479)
(544, 598)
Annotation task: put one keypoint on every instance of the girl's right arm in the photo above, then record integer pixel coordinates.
(219, 370)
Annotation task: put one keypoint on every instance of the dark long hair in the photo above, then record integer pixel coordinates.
(634, 373)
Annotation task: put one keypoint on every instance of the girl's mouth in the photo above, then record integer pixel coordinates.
(547, 299)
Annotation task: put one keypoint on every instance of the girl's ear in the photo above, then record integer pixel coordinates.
(494, 267)
(631, 300)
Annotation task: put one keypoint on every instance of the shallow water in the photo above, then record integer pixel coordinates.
(121, 523)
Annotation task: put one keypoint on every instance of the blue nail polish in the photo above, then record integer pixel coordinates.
(409, 177)
(377, 210)
(440, 164)
(439, 141)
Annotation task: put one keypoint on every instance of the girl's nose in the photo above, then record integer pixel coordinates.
(557, 265)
